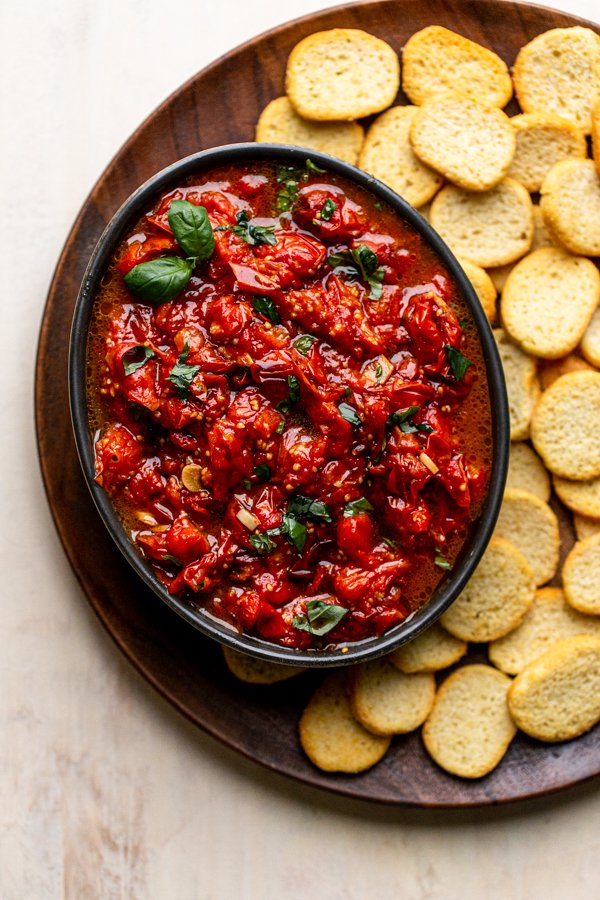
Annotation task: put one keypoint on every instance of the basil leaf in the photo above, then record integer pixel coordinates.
(305, 506)
(130, 367)
(265, 307)
(192, 229)
(182, 375)
(253, 234)
(304, 343)
(327, 210)
(262, 543)
(247, 484)
(320, 617)
(458, 363)
(160, 279)
(378, 205)
(361, 261)
(357, 506)
(313, 169)
(348, 413)
(440, 560)
(281, 427)
(294, 388)
(262, 472)
(401, 418)
(287, 196)
(172, 559)
(391, 544)
(295, 531)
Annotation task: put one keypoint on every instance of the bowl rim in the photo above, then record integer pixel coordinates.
(481, 529)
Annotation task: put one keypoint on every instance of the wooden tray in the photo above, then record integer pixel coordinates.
(221, 105)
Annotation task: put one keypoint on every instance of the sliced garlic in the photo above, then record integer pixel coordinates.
(427, 461)
(190, 477)
(247, 519)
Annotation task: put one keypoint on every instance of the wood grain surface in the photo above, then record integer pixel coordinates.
(221, 105)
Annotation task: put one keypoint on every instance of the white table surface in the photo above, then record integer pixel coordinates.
(105, 791)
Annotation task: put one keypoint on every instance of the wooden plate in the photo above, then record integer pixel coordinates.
(221, 105)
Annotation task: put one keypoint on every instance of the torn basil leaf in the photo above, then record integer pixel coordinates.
(262, 472)
(458, 363)
(160, 279)
(192, 229)
(253, 234)
(319, 618)
(305, 506)
(313, 169)
(265, 307)
(262, 543)
(172, 559)
(357, 506)
(348, 413)
(182, 375)
(304, 343)
(362, 262)
(294, 389)
(327, 210)
(296, 532)
(134, 364)
(402, 417)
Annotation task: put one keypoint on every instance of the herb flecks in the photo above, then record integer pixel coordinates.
(265, 307)
(253, 234)
(402, 418)
(361, 262)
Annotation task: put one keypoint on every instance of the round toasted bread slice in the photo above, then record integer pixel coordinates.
(551, 369)
(537, 307)
(596, 135)
(582, 497)
(550, 619)
(330, 735)
(388, 155)
(557, 696)
(590, 342)
(526, 471)
(483, 286)
(570, 205)
(585, 527)
(529, 524)
(469, 729)
(559, 72)
(279, 123)
(489, 228)
(341, 74)
(581, 576)
(522, 386)
(431, 651)
(257, 671)
(495, 599)
(436, 60)
(386, 701)
(543, 139)
(469, 144)
(565, 426)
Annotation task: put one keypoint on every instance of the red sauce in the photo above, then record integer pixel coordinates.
(323, 445)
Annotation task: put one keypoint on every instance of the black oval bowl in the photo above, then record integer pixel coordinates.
(447, 591)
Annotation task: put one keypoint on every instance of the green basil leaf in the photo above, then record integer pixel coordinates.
(361, 262)
(182, 375)
(192, 229)
(375, 282)
(357, 506)
(295, 531)
(135, 364)
(304, 343)
(160, 279)
(440, 560)
(327, 210)
(247, 484)
(262, 543)
(313, 169)
(378, 205)
(306, 506)
(253, 234)
(281, 427)
(262, 472)
(348, 413)
(391, 544)
(458, 363)
(172, 559)
(365, 259)
(294, 389)
(266, 308)
(401, 418)
(320, 617)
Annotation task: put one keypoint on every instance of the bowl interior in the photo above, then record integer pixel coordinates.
(481, 530)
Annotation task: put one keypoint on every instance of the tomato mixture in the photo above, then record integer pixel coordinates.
(289, 404)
